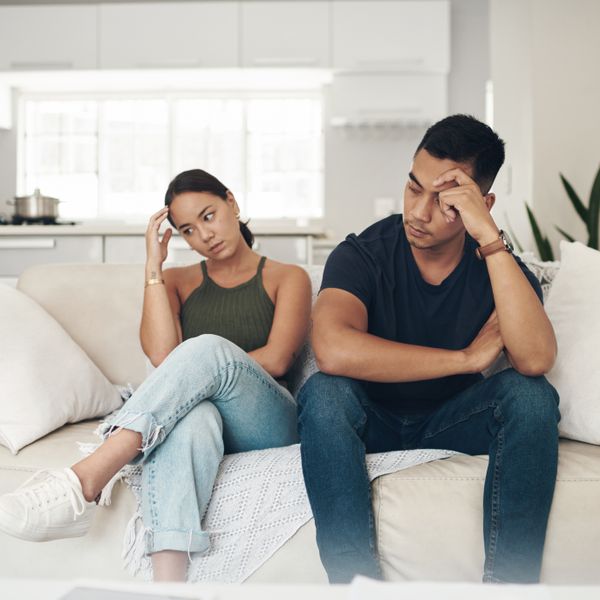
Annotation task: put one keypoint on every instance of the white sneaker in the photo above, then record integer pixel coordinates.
(48, 506)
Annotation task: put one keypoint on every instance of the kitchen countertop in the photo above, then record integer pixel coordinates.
(116, 228)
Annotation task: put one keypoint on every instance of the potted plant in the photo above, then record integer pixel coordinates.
(589, 214)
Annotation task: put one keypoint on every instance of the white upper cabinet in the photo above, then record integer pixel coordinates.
(48, 37)
(285, 34)
(174, 34)
(382, 35)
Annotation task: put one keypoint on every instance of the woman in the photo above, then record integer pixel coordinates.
(220, 334)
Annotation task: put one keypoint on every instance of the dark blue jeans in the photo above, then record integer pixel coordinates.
(511, 417)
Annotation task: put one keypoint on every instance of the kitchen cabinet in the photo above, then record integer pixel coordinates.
(131, 249)
(173, 34)
(363, 99)
(48, 37)
(285, 34)
(322, 249)
(288, 249)
(128, 249)
(380, 35)
(17, 252)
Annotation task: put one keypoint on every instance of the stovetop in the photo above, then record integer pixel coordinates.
(38, 221)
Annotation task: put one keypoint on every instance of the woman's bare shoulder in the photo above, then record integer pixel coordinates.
(279, 272)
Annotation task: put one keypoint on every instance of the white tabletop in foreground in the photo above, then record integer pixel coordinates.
(361, 589)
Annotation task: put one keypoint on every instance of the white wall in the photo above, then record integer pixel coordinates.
(544, 64)
(360, 170)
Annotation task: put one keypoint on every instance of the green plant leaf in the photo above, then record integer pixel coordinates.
(565, 234)
(542, 243)
(548, 253)
(578, 205)
(594, 213)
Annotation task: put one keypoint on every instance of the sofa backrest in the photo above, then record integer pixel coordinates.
(100, 306)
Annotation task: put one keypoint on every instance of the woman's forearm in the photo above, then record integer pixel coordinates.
(158, 330)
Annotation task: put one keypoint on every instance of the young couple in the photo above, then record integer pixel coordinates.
(410, 312)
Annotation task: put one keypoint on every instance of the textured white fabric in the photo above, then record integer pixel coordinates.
(46, 379)
(572, 307)
(258, 502)
(545, 271)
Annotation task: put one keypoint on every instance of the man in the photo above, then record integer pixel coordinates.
(410, 312)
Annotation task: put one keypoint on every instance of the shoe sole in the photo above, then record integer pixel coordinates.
(77, 529)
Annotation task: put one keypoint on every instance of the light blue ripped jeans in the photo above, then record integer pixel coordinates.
(207, 398)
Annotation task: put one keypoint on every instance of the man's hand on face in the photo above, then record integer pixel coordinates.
(465, 200)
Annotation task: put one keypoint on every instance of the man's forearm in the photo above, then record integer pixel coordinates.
(353, 353)
(526, 331)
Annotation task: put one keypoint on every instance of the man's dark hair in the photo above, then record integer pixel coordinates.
(462, 138)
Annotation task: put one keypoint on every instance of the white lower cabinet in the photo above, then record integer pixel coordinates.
(21, 251)
(17, 252)
(288, 249)
(132, 249)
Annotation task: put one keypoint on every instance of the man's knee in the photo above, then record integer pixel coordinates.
(529, 401)
(326, 401)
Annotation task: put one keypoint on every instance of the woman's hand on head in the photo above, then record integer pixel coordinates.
(157, 248)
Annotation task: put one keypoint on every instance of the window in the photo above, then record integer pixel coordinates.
(113, 157)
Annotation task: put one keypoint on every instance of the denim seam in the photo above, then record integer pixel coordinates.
(495, 499)
(377, 513)
(250, 369)
(373, 531)
(461, 419)
(152, 500)
(404, 478)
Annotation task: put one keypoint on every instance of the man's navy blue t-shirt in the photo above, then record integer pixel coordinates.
(378, 268)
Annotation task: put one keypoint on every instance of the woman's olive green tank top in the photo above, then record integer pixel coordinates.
(242, 314)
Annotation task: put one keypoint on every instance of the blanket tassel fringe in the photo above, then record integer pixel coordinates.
(133, 553)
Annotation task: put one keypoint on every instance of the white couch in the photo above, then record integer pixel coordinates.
(429, 517)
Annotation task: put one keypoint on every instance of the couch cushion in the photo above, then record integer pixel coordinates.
(46, 379)
(100, 306)
(56, 449)
(429, 519)
(572, 307)
(98, 554)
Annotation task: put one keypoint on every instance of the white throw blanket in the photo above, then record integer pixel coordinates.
(258, 503)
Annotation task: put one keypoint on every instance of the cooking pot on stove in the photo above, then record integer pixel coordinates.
(35, 206)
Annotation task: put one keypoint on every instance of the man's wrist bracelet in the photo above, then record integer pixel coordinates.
(153, 282)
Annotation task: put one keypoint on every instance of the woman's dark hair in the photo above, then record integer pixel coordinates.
(197, 180)
(462, 138)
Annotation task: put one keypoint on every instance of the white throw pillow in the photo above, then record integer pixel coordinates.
(46, 379)
(572, 306)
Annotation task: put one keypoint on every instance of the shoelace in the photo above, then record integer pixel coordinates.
(48, 490)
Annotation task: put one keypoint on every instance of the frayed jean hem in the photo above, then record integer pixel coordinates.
(144, 423)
